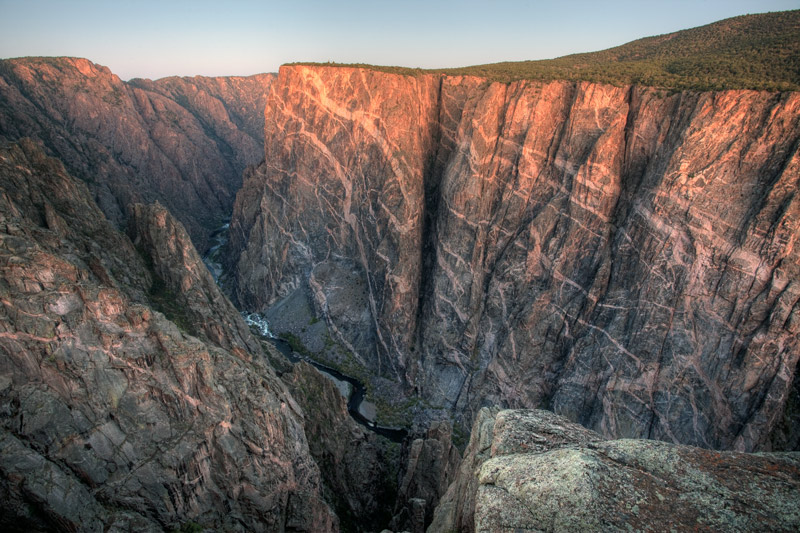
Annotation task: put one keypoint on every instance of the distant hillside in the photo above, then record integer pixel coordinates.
(183, 142)
(747, 52)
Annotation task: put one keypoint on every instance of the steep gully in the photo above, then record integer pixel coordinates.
(356, 396)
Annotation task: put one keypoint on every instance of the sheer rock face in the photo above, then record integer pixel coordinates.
(338, 205)
(181, 141)
(456, 508)
(624, 256)
(431, 464)
(536, 471)
(112, 418)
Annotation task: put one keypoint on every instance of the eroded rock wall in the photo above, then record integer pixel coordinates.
(338, 205)
(431, 464)
(624, 256)
(358, 467)
(182, 277)
(111, 417)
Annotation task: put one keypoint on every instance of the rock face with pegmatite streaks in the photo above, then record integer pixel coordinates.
(625, 256)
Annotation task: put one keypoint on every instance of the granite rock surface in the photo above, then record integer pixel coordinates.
(536, 471)
(113, 418)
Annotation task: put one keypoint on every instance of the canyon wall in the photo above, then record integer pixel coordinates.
(621, 255)
(114, 418)
(181, 141)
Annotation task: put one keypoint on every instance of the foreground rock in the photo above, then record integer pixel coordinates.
(111, 417)
(624, 256)
(536, 471)
(181, 141)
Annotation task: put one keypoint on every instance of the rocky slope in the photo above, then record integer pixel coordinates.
(181, 141)
(113, 419)
(535, 471)
(183, 283)
(624, 256)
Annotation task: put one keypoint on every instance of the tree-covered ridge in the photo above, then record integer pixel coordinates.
(748, 52)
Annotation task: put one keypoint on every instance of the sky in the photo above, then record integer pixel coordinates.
(153, 39)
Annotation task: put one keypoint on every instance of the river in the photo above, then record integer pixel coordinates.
(356, 403)
(356, 396)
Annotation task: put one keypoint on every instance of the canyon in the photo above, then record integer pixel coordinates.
(576, 304)
(622, 256)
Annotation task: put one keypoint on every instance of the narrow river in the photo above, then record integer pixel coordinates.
(356, 397)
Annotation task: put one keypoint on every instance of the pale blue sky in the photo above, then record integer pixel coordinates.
(153, 39)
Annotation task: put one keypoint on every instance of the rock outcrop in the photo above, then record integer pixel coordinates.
(624, 256)
(536, 471)
(430, 465)
(113, 419)
(181, 141)
(182, 278)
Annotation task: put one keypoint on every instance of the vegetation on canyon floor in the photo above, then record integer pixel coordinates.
(760, 52)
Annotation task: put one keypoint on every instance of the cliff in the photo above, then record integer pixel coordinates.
(183, 283)
(624, 256)
(113, 418)
(181, 141)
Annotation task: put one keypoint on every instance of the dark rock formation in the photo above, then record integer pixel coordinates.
(181, 141)
(113, 419)
(536, 471)
(625, 256)
(358, 467)
(456, 509)
(431, 464)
